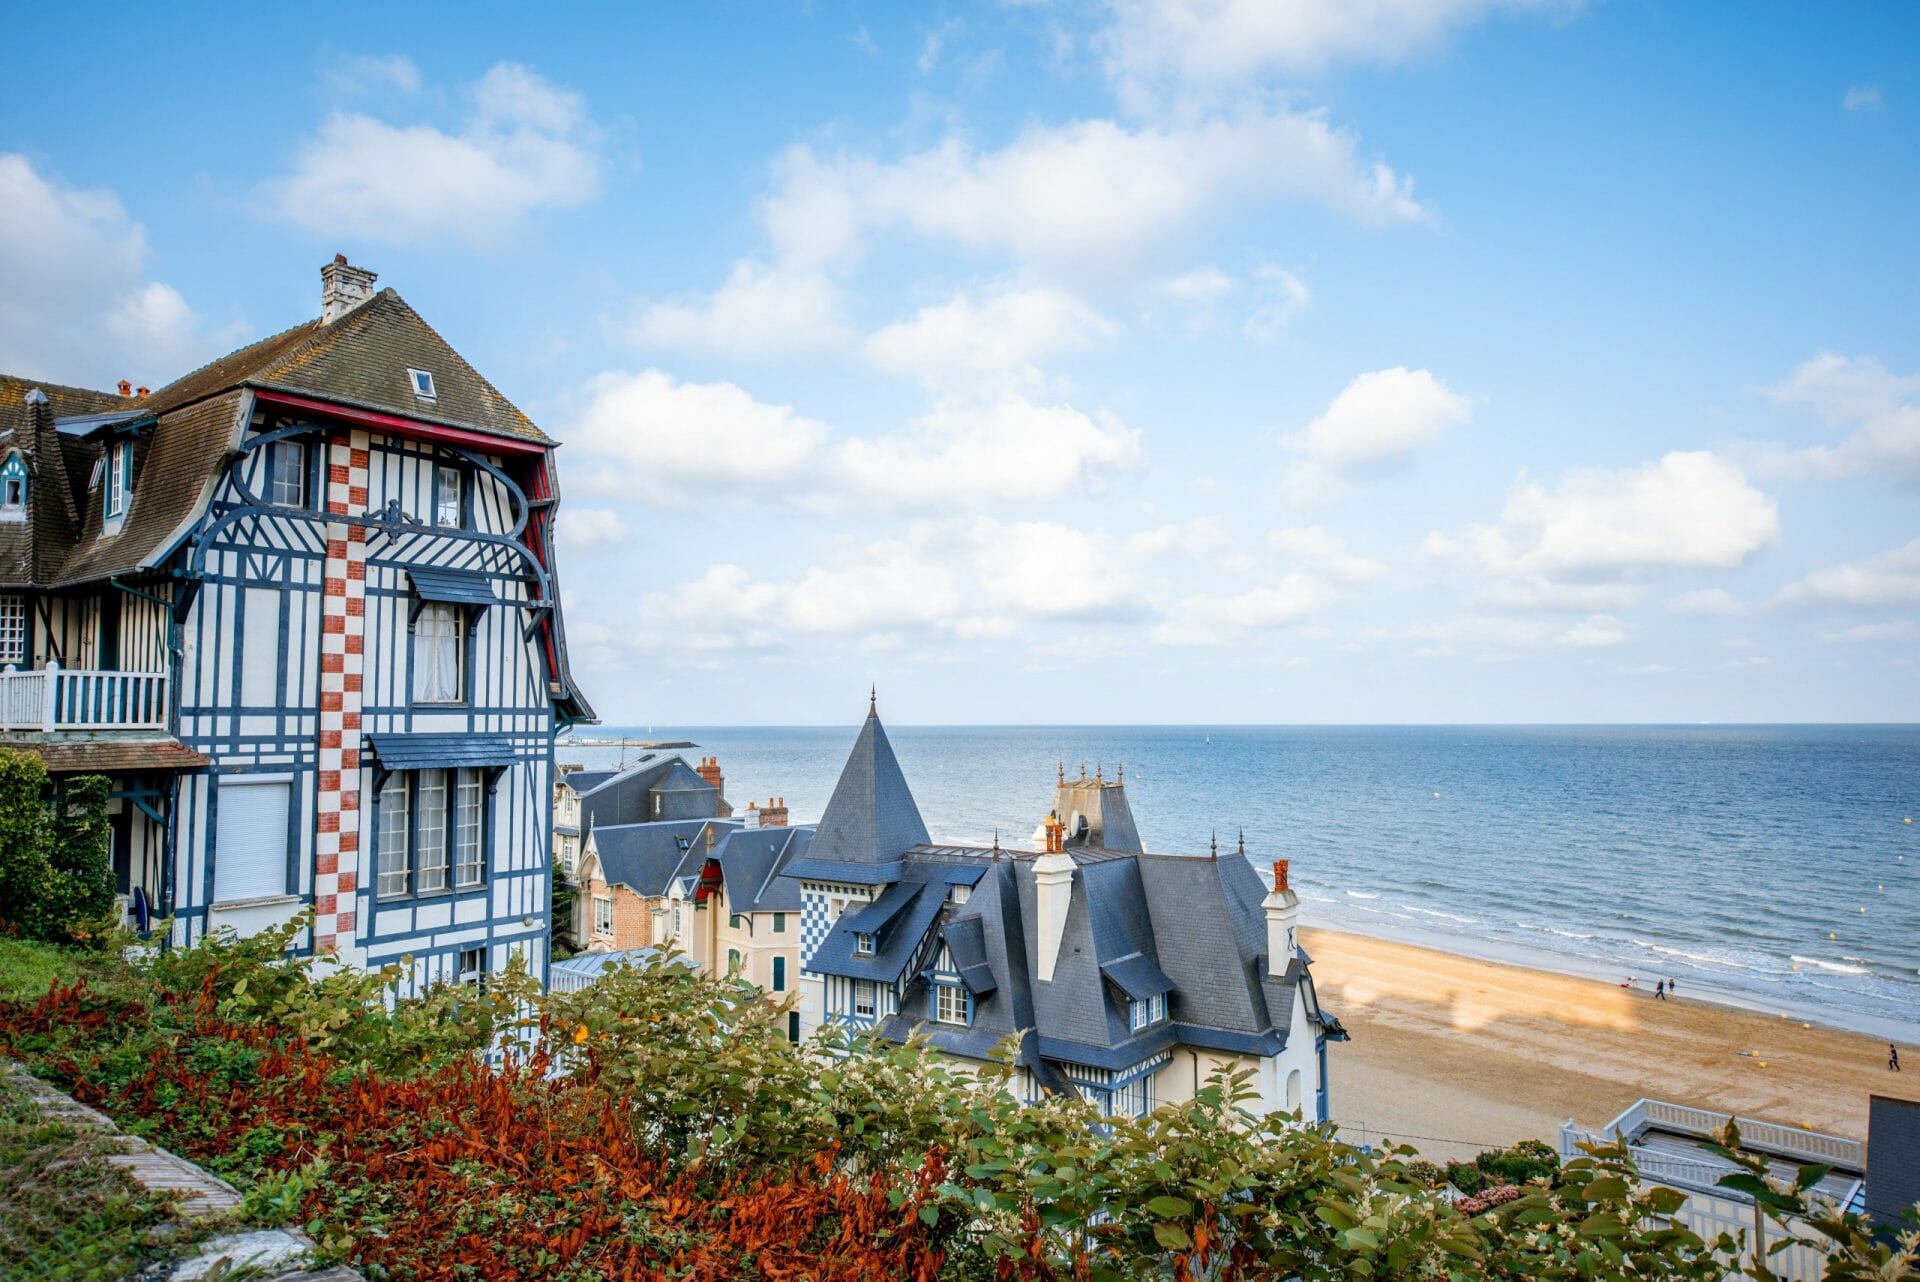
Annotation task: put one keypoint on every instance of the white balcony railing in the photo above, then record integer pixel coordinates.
(56, 698)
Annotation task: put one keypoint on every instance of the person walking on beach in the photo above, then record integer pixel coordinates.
(1660, 990)
(1669, 988)
(1893, 1058)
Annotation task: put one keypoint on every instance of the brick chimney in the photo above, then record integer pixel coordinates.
(126, 387)
(710, 771)
(343, 287)
(774, 813)
(1282, 908)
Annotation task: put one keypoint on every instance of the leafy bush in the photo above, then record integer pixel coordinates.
(56, 869)
(659, 1124)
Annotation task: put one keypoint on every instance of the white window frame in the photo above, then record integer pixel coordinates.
(862, 944)
(1156, 1008)
(865, 990)
(420, 382)
(950, 1004)
(13, 473)
(960, 894)
(469, 830)
(432, 840)
(286, 486)
(470, 966)
(13, 628)
(119, 478)
(394, 876)
(437, 624)
(1137, 1013)
(603, 914)
(447, 484)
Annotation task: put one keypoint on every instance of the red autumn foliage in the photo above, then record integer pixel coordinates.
(470, 1170)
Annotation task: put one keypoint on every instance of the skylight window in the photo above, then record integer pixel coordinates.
(422, 383)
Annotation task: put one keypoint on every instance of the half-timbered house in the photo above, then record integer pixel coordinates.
(1129, 977)
(301, 606)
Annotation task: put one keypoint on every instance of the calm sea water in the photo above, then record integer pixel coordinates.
(1766, 865)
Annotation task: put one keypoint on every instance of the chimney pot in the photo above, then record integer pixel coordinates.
(1280, 874)
(142, 392)
(126, 387)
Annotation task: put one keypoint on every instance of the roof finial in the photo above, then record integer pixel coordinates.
(873, 700)
(1243, 839)
(1083, 767)
(996, 844)
(1099, 771)
(1063, 772)
(1213, 845)
(1120, 776)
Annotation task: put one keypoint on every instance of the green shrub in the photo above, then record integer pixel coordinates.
(56, 866)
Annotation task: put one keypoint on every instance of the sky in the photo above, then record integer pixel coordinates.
(1187, 361)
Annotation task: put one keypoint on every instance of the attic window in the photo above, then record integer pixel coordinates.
(13, 489)
(959, 894)
(422, 383)
(863, 944)
(682, 842)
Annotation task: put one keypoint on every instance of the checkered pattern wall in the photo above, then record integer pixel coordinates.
(814, 924)
(336, 849)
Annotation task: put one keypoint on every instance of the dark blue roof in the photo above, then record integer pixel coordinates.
(893, 947)
(645, 858)
(752, 861)
(871, 817)
(458, 587)
(853, 874)
(442, 751)
(967, 944)
(1137, 977)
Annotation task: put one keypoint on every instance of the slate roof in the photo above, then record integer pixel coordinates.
(752, 861)
(627, 796)
(645, 858)
(871, 819)
(361, 360)
(1138, 925)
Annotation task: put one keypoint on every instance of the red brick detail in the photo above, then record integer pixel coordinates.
(327, 863)
(324, 904)
(347, 883)
(330, 821)
(345, 921)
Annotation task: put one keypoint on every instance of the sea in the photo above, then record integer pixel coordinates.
(1772, 867)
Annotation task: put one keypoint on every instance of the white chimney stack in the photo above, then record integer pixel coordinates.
(343, 287)
(1053, 895)
(1282, 907)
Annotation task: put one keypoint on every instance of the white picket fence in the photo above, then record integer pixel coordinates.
(56, 698)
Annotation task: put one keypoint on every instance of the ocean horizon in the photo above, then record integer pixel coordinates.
(1766, 866)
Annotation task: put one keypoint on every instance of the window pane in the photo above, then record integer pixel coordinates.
(393, 837)
(446, 497)
(13, 629)
(433, 830)
(287, 479)
(470, 863)
(438, 638)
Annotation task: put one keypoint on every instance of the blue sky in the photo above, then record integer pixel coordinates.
(1163, 360)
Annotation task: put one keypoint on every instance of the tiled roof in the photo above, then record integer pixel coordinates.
(442, 751)
(871, 817)
(362, 360)
(105, 752)
(645, 858)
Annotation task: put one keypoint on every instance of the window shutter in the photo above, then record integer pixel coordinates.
(250, 841)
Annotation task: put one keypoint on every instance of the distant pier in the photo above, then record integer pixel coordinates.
(651, 744)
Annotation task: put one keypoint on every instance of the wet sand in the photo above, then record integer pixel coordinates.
(1454, 1055)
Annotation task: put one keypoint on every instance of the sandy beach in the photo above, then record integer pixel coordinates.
(1454, 1055)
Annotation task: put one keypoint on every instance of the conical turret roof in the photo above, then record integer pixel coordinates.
(872, 817)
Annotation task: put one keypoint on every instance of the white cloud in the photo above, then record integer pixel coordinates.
(1283, 296)
(1195, 47)
(77, 306)
(1377, 419)
(524, 144)
(1863, 98)
(1092, 197)
(1326, 553)
(1688, 509)
(760, 312)
(591, 527)
(1007, 450)
(1201, 536)
(1041, 569)
(1881, 412)
(1537, 592)
(1872, 632)
(1205, 619)
(1887, 578)
(1200, 286)
(963, 341)
(1599, 630)
(653, 436)
(1708, 601)
(368, 74)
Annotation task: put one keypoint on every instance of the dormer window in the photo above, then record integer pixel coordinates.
(422, 383)
(960, 894)
(13, 489)
(863, 945)
(119, 478)
(1151, 1011)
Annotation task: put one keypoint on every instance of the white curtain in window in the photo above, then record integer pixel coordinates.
(433, 831)
(470, 864)
(438, 635)
(394, 867)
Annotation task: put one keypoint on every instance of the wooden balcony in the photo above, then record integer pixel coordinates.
(53, 698)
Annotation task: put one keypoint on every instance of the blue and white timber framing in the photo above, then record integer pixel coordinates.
(346, 593)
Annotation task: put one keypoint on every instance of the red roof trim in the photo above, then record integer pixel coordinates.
(413, 428)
